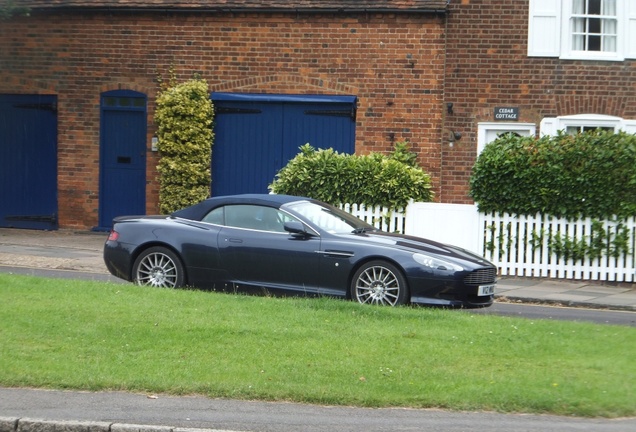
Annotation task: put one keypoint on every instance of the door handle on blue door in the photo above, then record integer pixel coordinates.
(234, 240)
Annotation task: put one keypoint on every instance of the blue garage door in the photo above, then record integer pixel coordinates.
(28, 161)
(256, 135)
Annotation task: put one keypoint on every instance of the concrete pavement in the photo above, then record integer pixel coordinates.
(47, 252)
(56, 250)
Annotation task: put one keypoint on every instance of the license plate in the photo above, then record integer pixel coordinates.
(486, 290)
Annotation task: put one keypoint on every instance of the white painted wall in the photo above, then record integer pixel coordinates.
(455, 224)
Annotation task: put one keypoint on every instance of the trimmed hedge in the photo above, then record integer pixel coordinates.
(592, 174)
(9, 9)
(184, 118)
(335, 178)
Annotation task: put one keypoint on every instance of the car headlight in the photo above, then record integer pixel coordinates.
(436, 263)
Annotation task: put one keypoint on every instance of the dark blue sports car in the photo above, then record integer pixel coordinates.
(290, 245)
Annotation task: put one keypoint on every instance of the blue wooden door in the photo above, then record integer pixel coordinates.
(256, 135)
(122, 156)
(246, 147)
(28, 161)
(323, 125)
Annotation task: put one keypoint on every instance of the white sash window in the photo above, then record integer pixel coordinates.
(582, 29)
(585, 122)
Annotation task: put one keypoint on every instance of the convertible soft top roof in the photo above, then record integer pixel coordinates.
(197, 211)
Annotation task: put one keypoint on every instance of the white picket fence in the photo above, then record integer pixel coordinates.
(543, 246)
(380, 217)
(528, 246)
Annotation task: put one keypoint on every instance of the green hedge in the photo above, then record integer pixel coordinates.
(374, 180)
(184, 117)
(591, 174)
(9, 9)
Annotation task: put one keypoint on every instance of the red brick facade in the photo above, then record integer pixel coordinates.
(405, 63)
(488, 66)
(394, 63)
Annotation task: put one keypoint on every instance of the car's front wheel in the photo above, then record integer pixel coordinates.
(158, 267)
(379, 282)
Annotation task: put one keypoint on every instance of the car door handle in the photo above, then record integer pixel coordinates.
(234, 240)
(336, 253)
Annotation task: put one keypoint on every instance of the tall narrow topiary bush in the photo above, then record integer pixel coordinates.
(184, 118)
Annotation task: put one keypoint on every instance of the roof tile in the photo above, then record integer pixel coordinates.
(318, 5)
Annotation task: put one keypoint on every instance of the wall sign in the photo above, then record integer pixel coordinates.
(507, 113)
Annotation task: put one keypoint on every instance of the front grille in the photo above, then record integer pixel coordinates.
(481, 277)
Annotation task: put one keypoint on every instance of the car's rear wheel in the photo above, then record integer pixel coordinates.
(158, 267)
(379, 282)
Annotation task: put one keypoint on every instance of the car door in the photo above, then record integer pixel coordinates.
(257, 251)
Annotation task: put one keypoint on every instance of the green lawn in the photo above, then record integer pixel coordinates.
(95, 336)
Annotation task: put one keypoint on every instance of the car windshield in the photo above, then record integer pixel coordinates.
(329, 218)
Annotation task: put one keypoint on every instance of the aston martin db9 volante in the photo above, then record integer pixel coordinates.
(286, 245)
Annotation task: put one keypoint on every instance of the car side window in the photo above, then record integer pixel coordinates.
(216, 216)
(255, 217)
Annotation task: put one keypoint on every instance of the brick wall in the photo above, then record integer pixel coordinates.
(488, 66)
(393, 63)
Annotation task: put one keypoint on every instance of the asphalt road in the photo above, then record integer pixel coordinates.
(230, 415)
(532, 311)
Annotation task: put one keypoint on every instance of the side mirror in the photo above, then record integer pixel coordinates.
(296, 228)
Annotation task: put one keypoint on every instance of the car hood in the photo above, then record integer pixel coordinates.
(422, 245)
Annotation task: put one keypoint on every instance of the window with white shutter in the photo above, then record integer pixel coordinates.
(582, 29)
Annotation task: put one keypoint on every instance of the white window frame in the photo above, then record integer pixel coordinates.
(550, 32)
(551, 125)
(524, 129)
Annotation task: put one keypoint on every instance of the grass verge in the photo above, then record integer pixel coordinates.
(95, 336)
